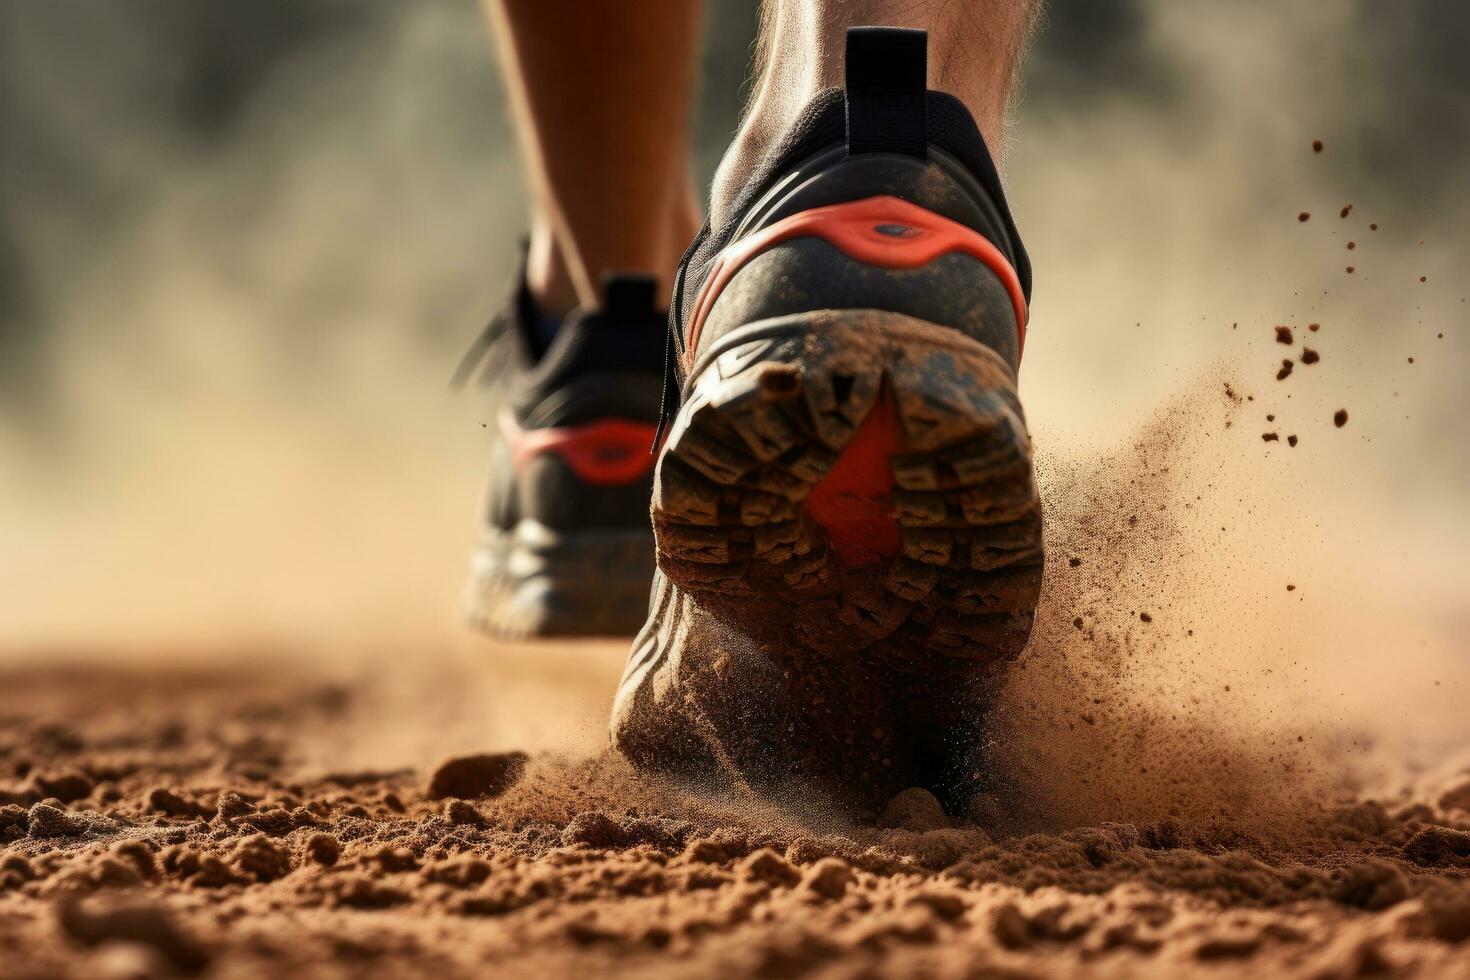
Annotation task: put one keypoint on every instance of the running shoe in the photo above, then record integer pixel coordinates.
(849, 533)
(565, 547)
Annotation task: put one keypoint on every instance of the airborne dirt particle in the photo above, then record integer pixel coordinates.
(1316, 146)
(1340, 417)
(1291, 441)
(1314, 327)
(1285, 372)
(1309, 356)
(1304, 216)
(1269, 437)
(1346, 210)
(1283, 335)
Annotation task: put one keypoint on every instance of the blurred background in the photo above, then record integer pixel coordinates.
(243, 244)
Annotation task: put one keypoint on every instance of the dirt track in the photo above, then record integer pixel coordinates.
(181, 819)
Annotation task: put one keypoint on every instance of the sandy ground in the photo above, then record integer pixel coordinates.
(218, 820)
(1239, 620)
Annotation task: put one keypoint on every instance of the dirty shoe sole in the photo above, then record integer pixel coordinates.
(533, 581)
(849, 480)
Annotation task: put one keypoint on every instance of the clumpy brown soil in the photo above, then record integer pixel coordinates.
(161, 820)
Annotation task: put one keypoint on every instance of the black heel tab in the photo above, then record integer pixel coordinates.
(887, 85)
(627, 295)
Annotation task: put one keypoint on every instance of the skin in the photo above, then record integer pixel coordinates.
(975, 49)
(601, 95)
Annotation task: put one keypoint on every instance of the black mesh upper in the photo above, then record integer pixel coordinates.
(819, 126)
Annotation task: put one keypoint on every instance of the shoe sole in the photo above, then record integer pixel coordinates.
(533, 581)
(847, 480)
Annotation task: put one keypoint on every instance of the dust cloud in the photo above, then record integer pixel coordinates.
(1304, 627)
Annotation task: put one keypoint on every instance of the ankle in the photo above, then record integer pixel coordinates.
(801, 56)
(557, 286)
(548, 280)
(751, 143)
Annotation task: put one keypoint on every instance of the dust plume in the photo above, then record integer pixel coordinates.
(1304, 632)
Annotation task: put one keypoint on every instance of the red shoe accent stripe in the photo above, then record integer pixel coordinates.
(608, 452)
(884, 231)
(854, 501)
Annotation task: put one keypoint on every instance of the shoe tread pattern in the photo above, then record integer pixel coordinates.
(765, 420)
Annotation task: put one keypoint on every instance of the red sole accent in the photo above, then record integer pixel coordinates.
(608, 452)
(854, 501)
(884, 231)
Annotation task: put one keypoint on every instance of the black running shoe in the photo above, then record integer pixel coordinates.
(565, 547)
(849, 534)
